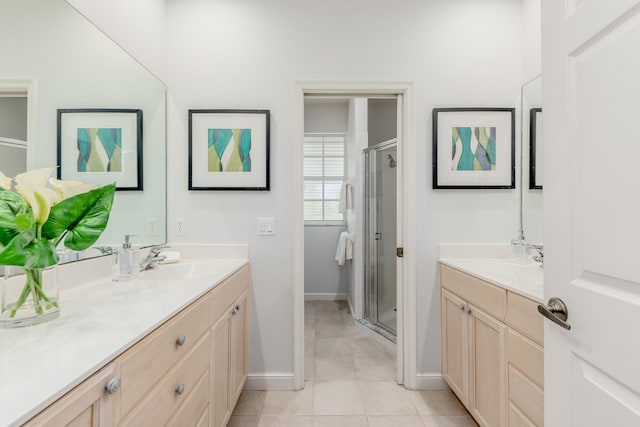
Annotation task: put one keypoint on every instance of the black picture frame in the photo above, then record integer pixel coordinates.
(535, 117)
(206, 168)
(126, 122)
(500, 121)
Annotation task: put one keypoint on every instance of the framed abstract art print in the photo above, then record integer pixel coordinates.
(101, 146)
(473, 148)
(229, 150)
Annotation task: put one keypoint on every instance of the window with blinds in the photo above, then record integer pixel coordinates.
(324, 173)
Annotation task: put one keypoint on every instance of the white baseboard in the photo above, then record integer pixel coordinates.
(431, 381)
(324, 297)
(270, 381)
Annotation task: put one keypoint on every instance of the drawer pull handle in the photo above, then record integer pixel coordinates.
(181, 340)
(113, 385)
(180, 389)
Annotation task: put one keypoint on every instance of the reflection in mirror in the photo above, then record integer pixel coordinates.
(13, 133)
(535, 149)
(531, 198)
(67, 62)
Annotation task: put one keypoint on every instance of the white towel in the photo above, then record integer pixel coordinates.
(345, 247)
(346, 197)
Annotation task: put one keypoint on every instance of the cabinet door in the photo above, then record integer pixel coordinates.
(487, 369)
(239, 341)
(89, 404)
(455, 344)
(220, 367)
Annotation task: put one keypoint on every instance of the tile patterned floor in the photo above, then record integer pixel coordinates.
(349, 381)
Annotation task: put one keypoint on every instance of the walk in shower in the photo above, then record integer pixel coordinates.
(380, 238)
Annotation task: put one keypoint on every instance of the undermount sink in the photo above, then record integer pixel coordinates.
(180, 270)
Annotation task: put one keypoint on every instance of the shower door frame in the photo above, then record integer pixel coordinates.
(370, 227)
(406, 201)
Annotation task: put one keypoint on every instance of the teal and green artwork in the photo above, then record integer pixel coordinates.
(229, 150)
(473, 148)
(99, 149)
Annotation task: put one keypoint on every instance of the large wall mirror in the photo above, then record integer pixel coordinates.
(532, 149)
(53, 58)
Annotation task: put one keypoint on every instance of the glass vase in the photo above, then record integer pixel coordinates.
(29, 296)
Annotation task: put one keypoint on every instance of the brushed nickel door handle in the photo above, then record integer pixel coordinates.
(556, 311)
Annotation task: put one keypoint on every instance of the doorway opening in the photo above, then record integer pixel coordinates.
(405, 293)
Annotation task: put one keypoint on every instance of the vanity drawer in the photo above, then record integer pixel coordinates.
(517, 418)
(490, 298)
(226, 293)
(194, 407)
(144, 364)
(526, 396)
(527, 356)
(163, 400)
(522, 314)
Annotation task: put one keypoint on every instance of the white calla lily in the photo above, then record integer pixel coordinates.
(31, 186)
(66, 189)
(5, 181)
(40, 200)
(36, 178)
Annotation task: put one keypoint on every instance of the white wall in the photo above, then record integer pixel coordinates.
(249, 53)
(531, 40)
(326, 115)
(323, 277)
(382, 123)
(137, 26)
(13, 118)
(357, 141)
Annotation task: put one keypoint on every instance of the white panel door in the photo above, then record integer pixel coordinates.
(591, 104)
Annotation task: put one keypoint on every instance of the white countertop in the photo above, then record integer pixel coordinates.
(97, 322)
(524, 279)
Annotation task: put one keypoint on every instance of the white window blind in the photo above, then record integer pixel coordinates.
(324, 173)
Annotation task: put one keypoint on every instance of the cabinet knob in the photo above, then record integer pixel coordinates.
(181, 340)
(180, 389)
(113, 385)
(462, 307)
(236, 309)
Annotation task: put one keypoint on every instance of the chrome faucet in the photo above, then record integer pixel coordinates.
(153, 257)
(540, 257)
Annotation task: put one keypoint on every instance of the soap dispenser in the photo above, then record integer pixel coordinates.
(520, 248)
(127, 260)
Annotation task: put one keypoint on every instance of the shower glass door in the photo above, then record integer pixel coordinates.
(380, 265)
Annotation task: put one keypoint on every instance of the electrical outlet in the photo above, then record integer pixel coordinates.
(181, 227)
(152, 226)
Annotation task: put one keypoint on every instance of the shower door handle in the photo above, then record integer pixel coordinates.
(378, 236)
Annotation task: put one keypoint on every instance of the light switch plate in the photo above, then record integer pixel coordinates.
(266, 226)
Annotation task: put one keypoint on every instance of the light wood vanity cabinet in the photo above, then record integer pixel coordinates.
(492, 354)
(175, 354)
(474, 357)
(189, 371)
(229, 343)
(89, 404)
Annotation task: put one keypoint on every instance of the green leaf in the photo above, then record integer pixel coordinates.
(24, 221)
(11, 206)
(24, 250)
(83, 216)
